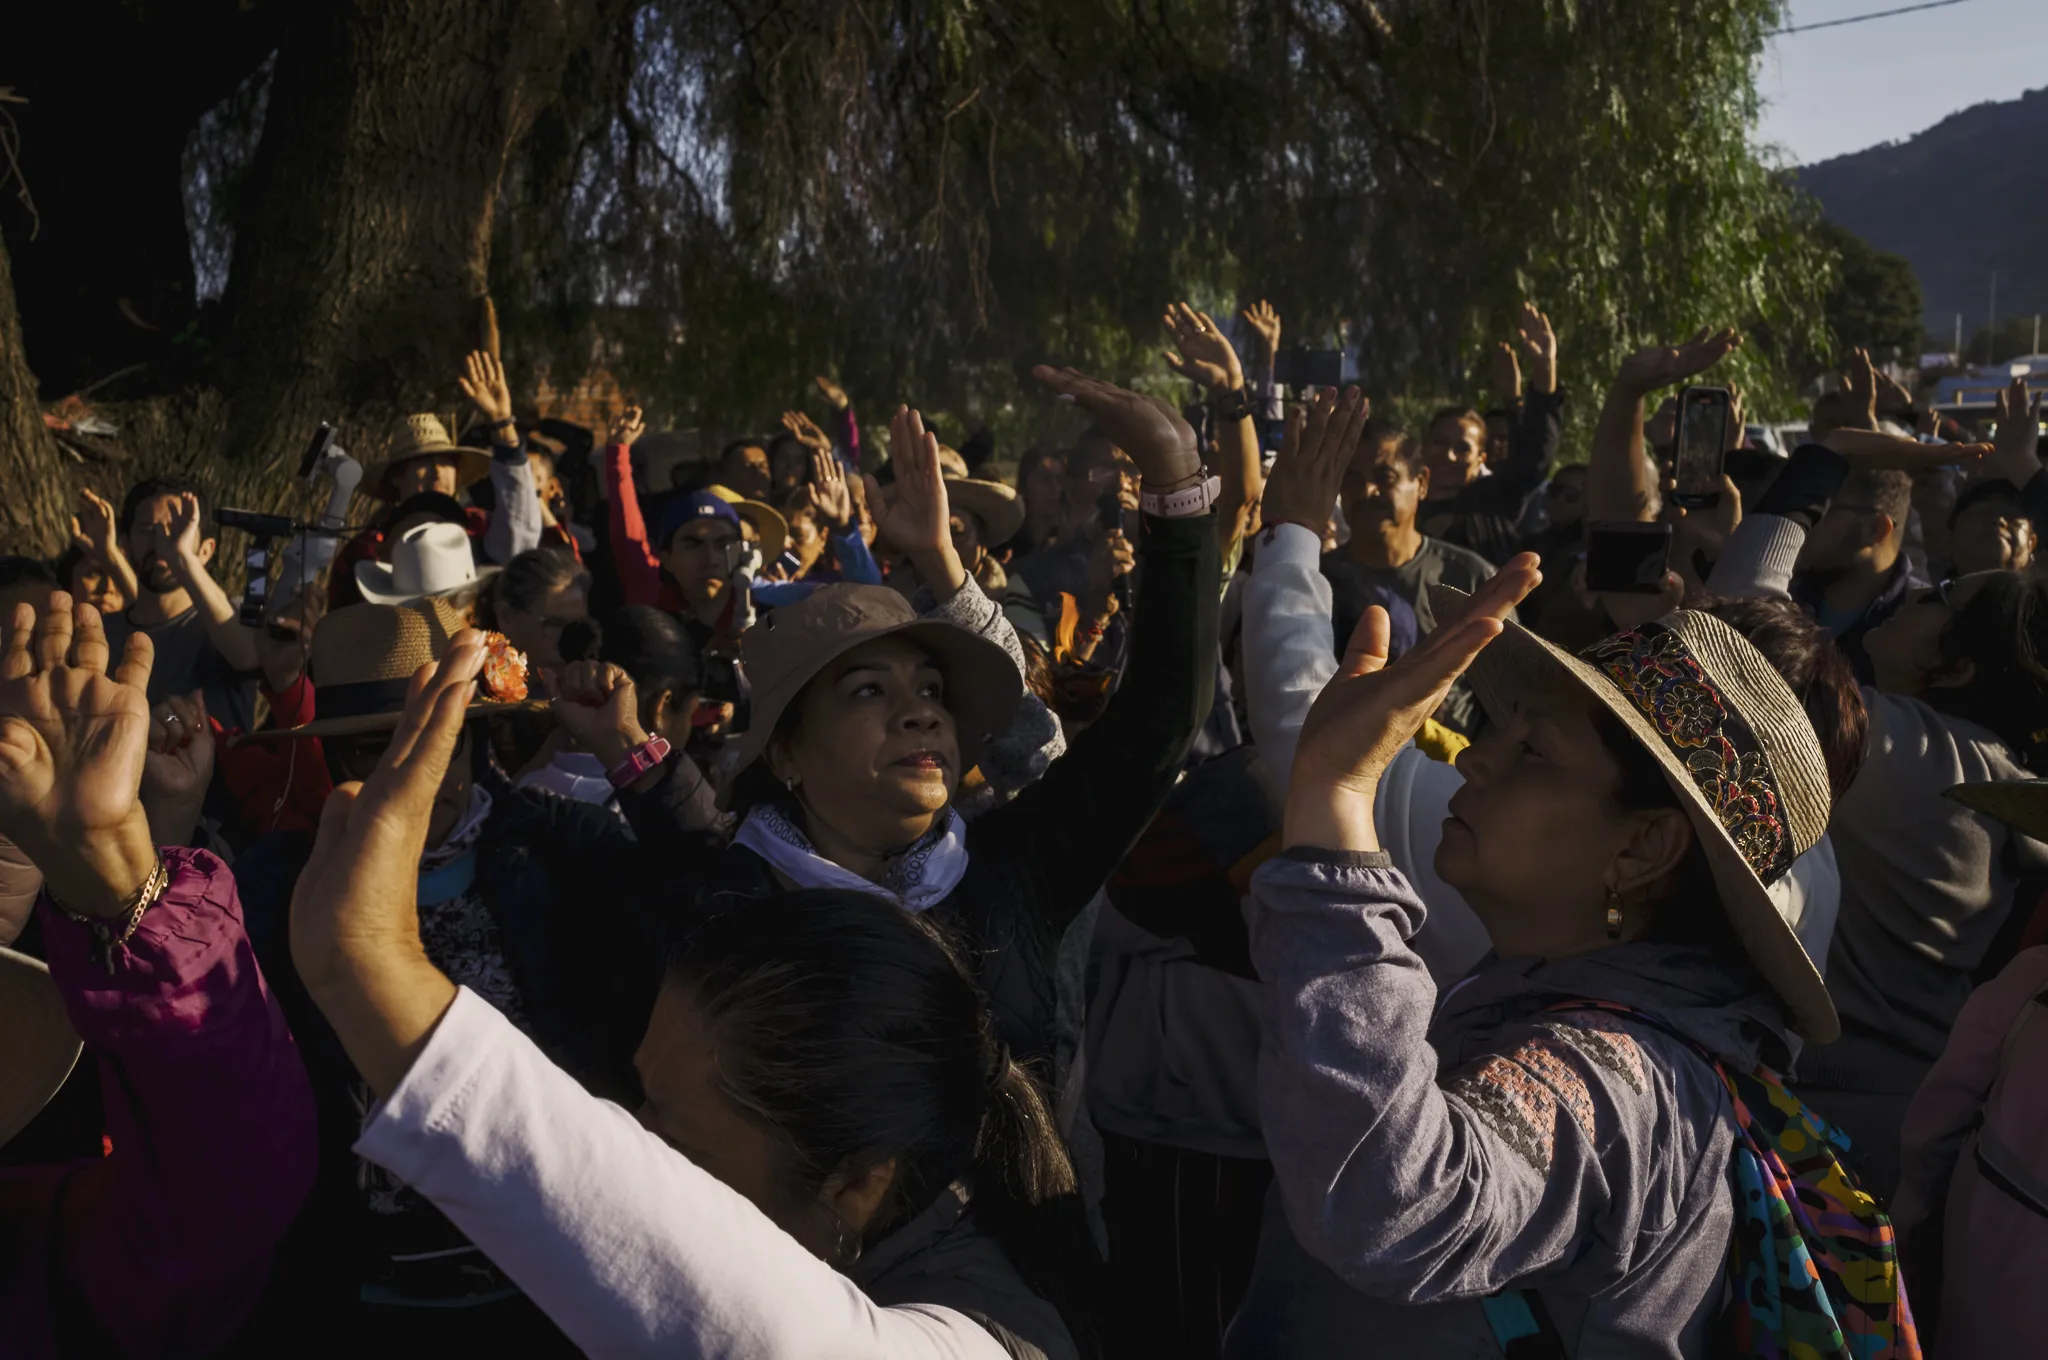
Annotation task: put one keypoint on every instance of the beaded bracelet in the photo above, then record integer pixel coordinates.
(105, 938)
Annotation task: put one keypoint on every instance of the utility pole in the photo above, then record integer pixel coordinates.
(2037, 334)
(1960, 356)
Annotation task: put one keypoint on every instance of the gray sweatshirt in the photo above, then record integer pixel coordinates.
(1421, 1165)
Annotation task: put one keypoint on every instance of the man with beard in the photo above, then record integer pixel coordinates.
(1852, 570)
(1387, 554)
(200, 644)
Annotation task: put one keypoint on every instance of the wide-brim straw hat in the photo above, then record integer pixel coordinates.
(362, 662)
(770, 526)
(429, 559)
(2021, 804)
(995, 505)
(792, 644)
(38, 1046)
(1734, 743)
(421, 436)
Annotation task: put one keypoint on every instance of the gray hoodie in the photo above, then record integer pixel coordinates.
(1421, 1165)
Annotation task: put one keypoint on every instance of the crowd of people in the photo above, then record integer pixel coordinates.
(1241, 885)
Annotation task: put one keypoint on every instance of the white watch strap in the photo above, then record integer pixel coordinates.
(1193, 500)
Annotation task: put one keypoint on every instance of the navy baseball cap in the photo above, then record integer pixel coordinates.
(695, 506)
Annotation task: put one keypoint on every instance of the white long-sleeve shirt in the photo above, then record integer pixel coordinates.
(631, 1248)
(1290, 655)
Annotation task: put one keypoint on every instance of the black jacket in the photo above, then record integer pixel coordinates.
(1035, 862)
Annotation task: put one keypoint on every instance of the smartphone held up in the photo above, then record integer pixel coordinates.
(1701, 445)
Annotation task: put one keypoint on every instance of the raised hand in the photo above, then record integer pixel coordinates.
(1153, 433)
(1505, 377)
(1658, 366)
(182, 538)
(483, 382)
(2015, 452)
(1737, 432)
(1265, 328)
(1538, 344)
(92, 528)
(177, 768)
(806, 430)
(355, 913)
(1875, 449)
(1893, 400)
(599, 707)
(72, 744)
(626, 427)
(831, 498)
(832, 392)
(1205, 354)
(917, 518)
(1372, 707)
(1861, 384)
(1317, 449)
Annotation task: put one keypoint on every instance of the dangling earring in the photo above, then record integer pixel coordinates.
(1613, 916)
(790, 783)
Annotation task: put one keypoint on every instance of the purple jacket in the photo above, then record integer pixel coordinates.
(1421, 1164)
(162, 1246)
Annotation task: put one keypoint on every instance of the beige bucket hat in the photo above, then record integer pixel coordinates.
(995, 505)
(771, 526)
(1735, 744)
(792, 644)
(38, 1047)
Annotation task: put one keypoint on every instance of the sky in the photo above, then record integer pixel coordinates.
(1843, 89)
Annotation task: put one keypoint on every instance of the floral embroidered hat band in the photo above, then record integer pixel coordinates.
(1733, 740)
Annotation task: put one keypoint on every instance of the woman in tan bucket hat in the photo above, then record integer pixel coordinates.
(1545, 1149)
(866, 718)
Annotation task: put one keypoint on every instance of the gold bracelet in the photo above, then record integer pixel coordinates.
(105, 939)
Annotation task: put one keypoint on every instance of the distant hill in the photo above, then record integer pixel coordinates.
(1963, 198)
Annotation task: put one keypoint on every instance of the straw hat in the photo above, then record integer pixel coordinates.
(38, 1047)
(1733, 741)
(995, 505)
(2021, 804)
(769, 525)
(363, 661)
(792, 644)
(421, 436)
(428, 559)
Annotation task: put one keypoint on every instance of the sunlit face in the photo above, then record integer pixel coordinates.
(1097, 468)
(538, 631)
(1380, 490)
(700, 557)
(1992, 535)
(806, 540)
(1454, 451)
(1534, 835)
(1905, 650)
(1841, 537)
(433, 472)
(875, 753)
(149, 543)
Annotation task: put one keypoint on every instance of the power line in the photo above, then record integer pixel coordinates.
(1862, 18)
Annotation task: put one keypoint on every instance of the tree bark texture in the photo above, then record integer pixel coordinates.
(35, 490)
(360, 269)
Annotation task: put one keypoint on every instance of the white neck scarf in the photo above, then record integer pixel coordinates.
(918, 879)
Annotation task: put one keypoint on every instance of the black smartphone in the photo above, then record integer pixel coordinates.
(1627, 557)
(323, 439)
(1701, 446)
(1300, 366)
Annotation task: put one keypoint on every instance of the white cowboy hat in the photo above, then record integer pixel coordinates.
(1732, 741)
(38, 1047)
(428, 559)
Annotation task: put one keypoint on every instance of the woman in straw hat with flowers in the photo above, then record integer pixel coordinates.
(1549, 1154)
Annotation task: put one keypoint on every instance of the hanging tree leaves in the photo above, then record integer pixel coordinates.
(930, 194)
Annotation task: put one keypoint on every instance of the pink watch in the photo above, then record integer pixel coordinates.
(1193, 500)
(638, 761)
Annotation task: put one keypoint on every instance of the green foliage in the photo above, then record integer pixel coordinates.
(1875, 302)
(927, 196)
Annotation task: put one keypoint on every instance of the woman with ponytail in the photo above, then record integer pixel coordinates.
(833, 1154)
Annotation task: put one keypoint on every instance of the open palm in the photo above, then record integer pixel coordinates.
(1659, 366)
(72, 739)
(1205, 354)
(918, 517)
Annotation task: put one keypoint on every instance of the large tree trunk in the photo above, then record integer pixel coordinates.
(359, 272)
(34, 490)
(113, 89)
